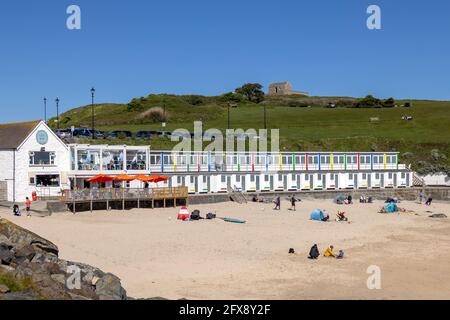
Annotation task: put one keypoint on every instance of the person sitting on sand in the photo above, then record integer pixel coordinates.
(255, 198)
(362, 199)
(341, 216)
(277, 203)
(326, 216)
(340, 255)
(16, 211)
(329, 252)
(429, 200)
(314, 252)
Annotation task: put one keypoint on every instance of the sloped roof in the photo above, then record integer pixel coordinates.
(13, 134)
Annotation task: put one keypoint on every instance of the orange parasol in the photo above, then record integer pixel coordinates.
(157, 179)
(124, 177)
(100, 178)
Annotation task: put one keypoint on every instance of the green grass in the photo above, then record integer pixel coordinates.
(14, 284)
(314, 128)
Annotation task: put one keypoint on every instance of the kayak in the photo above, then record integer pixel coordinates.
(233, 220)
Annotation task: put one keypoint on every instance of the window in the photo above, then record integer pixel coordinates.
(332, 177)
(403, 175)
(364, 176)
(319, 176)
(252, 178)
(47, 180)
(238, 178)
(32, 180)
(350, 176)
(42, 158)
(390, 175)
(302, 160)
(191, 179)
(306, 177)
(136, 160)
(377, 176)
(204, 179)
(266, 178)
(293, 177)
(178, 179)
(280, 177)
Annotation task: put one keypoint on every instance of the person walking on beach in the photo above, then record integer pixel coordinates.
(28, 206)
(293, 201)
(277, 203)
(421, 196)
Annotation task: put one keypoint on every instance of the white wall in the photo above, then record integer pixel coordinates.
(6, 172)
(440, 179)
(24, 170)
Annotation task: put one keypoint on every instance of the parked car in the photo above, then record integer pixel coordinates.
(120, 134)
(63, 133)
(143, 135)
(82, 132)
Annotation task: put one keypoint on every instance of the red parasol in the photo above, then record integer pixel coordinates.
(100, 178)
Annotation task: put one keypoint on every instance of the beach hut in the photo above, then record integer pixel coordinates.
(183, 214)
(317, 215)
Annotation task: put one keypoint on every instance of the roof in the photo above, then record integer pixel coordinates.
(280, 83)
(13, 134)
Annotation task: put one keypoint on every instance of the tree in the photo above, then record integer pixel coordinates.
(369, 102)
(389, 103)
(252, 91)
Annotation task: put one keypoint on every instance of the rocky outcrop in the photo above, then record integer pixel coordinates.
(32, 263)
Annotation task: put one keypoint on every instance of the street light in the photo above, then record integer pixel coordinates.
(45, 109)
(93, 114)
(57, 112)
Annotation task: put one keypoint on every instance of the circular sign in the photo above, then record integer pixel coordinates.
(42, 137)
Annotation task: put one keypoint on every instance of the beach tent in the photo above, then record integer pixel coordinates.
(317, 215)
(391, 207)
(184, 214)
(340, 199)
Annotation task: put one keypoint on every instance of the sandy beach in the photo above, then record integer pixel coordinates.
(156, 255)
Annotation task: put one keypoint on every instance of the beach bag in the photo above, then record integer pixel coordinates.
(195, 215)
(210, 216)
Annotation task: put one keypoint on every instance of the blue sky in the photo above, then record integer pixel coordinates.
(132, 48)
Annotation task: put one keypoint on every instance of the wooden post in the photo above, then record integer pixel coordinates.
(123, 199)
(91, 205)
(107, 205)
(153, 203)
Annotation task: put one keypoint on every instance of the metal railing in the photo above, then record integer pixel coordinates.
(114, 194)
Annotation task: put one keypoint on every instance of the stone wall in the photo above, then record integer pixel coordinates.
(410, 194)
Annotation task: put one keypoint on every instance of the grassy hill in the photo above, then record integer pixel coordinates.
(424, 142)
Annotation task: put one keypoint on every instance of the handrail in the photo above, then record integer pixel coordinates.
(111, 194)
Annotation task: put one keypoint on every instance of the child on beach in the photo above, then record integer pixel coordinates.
(293, 201)
(329, 252)
(277, 203)
(28, 206)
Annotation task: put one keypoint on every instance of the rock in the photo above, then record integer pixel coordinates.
(6, 269)
(19, 296)
(21, 237)
(48, 288)
(6, 256)
(27, 252)
(42, 258)
(61, 278)
(110, 288)
(4, 289)
(438, 216)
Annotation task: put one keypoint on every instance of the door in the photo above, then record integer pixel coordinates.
(324, 181)
(407, 179)
(298, 182)
(395, 180)
(369, 180)
(196, 184)
(285, 183)
(243, 183)
(355, 176)
(3, 191)
(208, 183)
(258, 187)
(271, 183)
(311, 182)
(382, 180)
(228, 183)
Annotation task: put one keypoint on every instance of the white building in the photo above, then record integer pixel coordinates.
(33, 160)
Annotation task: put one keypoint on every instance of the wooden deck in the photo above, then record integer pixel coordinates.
(123, 195)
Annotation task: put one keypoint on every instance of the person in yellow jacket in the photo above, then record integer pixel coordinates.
(329, 252)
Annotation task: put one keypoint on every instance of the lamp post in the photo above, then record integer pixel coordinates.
(93, 114)
(45, 109)
(57, 112)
